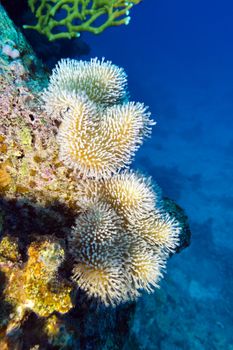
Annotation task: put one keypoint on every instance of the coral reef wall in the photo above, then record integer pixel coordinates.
(78, 229)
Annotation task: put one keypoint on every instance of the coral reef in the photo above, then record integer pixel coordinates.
(77, 227)
(121, 234)
(67, 19)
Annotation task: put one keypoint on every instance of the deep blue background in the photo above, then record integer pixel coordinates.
(179, 59)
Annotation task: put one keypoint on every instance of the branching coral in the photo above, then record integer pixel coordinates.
(76, 16)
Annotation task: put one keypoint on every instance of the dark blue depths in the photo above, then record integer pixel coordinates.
(179, 58)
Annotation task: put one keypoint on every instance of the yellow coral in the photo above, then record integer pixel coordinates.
(52, 326)
(43, 294)
(9, 250)
(36, 286)
(5, 178)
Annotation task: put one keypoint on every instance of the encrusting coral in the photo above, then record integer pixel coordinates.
(34, 285)
(77, 16)
(68, 169)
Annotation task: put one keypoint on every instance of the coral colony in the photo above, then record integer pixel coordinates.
(70, 167)
(68, 18)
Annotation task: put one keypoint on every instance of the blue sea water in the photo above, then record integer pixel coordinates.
(179, 59)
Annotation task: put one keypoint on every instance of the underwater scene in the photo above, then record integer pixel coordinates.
(116, 175)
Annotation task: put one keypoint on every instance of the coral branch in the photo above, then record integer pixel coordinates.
(81, 15)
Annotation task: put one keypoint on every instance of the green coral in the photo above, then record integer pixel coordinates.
(81, 15)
